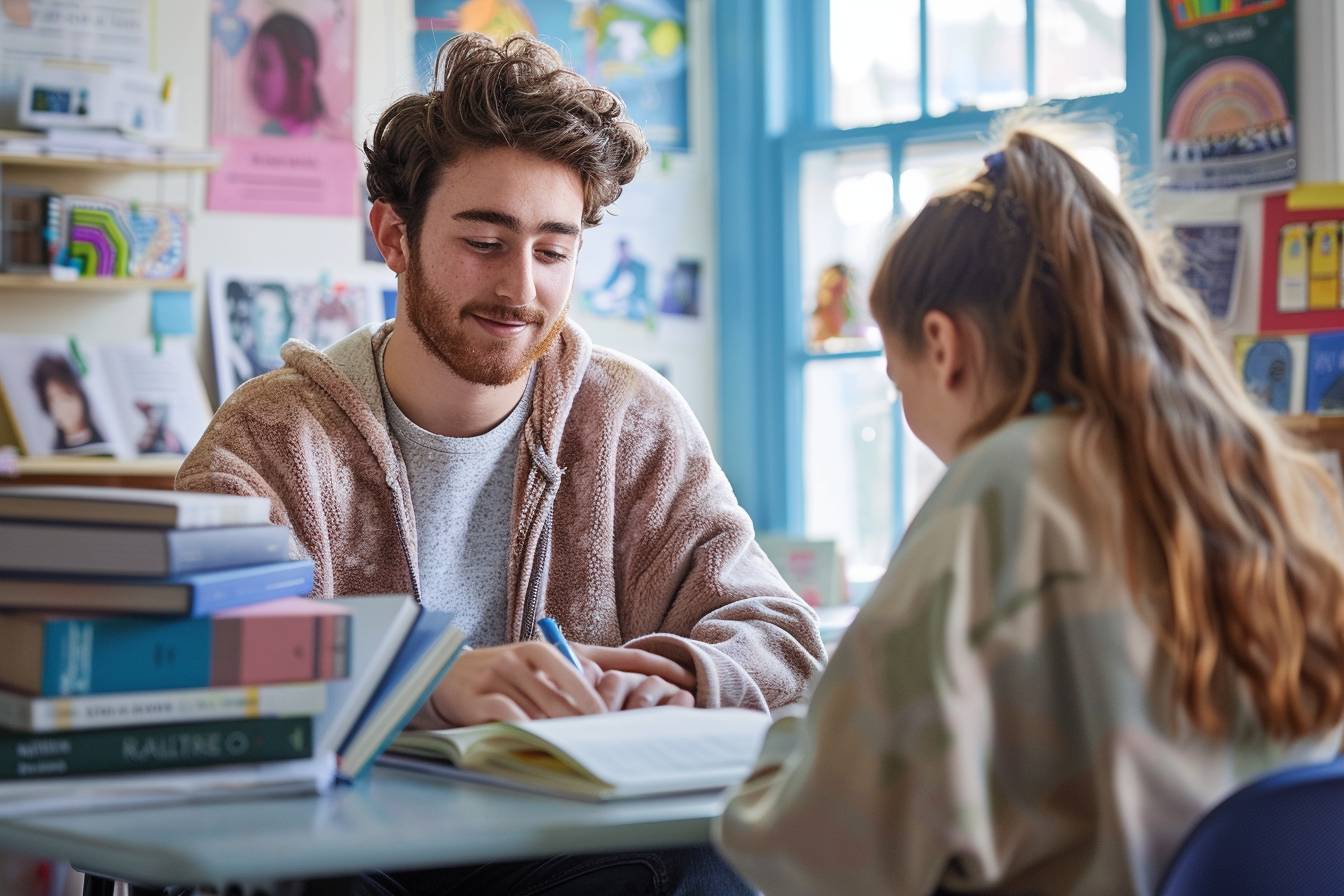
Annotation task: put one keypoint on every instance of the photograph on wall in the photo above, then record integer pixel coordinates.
(282, 86)
(681, 289)
(1300, 272)
(1228, 94)
(33, 32)
(637, 48)
(252, 316)
(53, 402)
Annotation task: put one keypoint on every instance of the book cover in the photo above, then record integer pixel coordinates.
(116, 551)
(193, 594)
(157, 393)
(154, 748)
(1274, 370)
(56, 399)
(43, 714)
(1325, 373)
(63, 656)
(131, 506)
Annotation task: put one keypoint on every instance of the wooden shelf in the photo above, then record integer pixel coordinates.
(105, 163)
(48, 283)
(1309, 423)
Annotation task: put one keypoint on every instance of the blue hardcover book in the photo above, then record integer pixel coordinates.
(193, 594)
(125, 551)
(1325, 373)
(425, 656)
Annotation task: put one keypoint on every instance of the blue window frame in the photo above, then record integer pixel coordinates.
(773, 96)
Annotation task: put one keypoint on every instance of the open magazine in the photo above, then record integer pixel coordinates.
(126, 399)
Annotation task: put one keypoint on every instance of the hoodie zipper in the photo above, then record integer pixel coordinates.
(540, 573)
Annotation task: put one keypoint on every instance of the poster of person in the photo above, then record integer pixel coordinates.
(282, 87)
(252, 316)
(1228, 94)
(52, 402)
(635, 47)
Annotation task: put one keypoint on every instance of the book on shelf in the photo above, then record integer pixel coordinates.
(105, 550)
(192, 594)
(296, 777)
(40, 715)
(124, 399)
(637, 753)
(131, 507)
(285, 640)
(153, 748)
(412, 671)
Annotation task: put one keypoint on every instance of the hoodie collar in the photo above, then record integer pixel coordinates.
(348, 374)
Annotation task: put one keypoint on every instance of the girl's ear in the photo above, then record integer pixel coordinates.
(389, 232)
(944, 348)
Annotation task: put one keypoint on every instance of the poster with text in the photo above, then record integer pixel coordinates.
(32, 32)
(637, 48)
(1229, 86)
(282, 85)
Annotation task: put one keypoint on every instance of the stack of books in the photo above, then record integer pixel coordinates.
(154, 643)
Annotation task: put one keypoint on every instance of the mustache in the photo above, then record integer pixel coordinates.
(507, 313)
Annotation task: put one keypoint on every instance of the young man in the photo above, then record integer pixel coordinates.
(480, 453)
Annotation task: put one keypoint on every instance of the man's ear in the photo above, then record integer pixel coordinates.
(945, 348)
(389, 232)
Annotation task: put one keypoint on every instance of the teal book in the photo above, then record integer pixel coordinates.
(154, 748)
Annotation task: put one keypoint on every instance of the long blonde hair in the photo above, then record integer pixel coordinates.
(1221, 526)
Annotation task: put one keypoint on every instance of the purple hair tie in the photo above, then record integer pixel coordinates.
(994, 167)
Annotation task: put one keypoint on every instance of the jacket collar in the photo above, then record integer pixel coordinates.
(348, 374)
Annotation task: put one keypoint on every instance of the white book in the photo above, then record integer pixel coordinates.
(39, 715)
(252, 781)
(131, 506)
(618, 755)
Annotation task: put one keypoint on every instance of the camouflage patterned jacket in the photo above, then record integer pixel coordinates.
(997, 719)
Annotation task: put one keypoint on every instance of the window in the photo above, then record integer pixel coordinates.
(836, 120)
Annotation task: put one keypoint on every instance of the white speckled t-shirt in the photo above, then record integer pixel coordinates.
(462, 496)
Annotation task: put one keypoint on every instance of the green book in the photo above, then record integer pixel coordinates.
(153, 748)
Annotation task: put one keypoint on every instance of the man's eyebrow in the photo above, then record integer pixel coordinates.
(505, 220)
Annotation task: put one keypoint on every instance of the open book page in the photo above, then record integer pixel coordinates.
(157, 394)
(643, 751)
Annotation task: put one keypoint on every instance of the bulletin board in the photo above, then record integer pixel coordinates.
(1301, 290)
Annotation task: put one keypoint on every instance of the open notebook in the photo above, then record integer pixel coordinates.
(641, 752)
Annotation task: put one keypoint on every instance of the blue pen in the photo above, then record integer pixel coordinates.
(550, 630)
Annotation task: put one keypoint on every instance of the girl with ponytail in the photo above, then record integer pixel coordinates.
(1123, 601)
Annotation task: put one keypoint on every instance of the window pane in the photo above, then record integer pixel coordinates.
(874, 61)
(977, 54)
(1080, 47)
(848, 461)
(928, 169)
(920, 471)
(845, 205)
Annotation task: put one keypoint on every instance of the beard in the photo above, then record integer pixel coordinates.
(450, 337)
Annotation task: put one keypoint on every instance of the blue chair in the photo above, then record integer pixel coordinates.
(1282, 834)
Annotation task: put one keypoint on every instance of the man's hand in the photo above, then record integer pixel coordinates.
(628, 678)
(514, 683)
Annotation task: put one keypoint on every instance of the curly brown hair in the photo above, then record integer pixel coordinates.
(518, 94)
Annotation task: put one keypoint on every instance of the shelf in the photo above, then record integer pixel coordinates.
(104, 163)
(1308, 423)
(47, 283)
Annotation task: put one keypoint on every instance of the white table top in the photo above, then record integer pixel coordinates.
(394, 820)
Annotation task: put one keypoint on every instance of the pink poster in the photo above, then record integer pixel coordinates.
(282, 94)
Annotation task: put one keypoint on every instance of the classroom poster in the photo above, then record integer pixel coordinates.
(110, 32)
(1301, 275)
(1211, 256)
(637, 48)
(253, 315)
(282, 87)
(1228, 94)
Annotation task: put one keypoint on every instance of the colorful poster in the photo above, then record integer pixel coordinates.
(635, 47)
(1228, 94)
(252, 316)
(282, 94)
(110, 32)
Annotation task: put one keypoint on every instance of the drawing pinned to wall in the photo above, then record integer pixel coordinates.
(681, 291)
(282, 94)
(252, 316)
(1274, 370)
(1212, 263)
(54, 406)
(625, 291)
(1228, 94)
(638, 48)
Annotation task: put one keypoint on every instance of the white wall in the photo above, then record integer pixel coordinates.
(312, 245)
